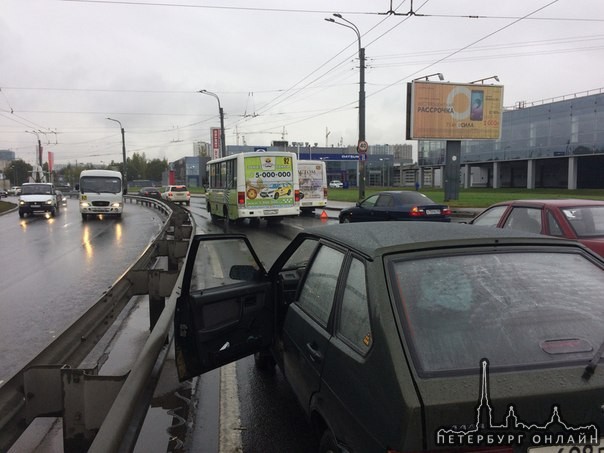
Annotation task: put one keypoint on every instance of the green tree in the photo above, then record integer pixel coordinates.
(137, 167)
(156, 168)
(18, 172)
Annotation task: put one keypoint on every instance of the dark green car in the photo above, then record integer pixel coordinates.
(407, 337)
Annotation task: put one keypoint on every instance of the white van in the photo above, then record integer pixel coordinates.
(312, 176)
(101, 193)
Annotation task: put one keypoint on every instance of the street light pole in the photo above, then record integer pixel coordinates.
(354, 28)
(221, 113)
(123, 151)
(39, 174)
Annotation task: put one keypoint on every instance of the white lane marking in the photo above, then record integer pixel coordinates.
(230, 422)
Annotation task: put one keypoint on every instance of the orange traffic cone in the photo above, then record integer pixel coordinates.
(323, 216)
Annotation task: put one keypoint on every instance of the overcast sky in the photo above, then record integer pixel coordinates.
(279, 69)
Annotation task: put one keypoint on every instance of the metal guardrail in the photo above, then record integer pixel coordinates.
(103, 413)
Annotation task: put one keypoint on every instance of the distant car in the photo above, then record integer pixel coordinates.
(177, 194)
(402, 205)
(38, 197)
(582, 220)
(3, 193)
(15, 190)
(390, 333)
(61, 200)
(152, 192)
(335, 184)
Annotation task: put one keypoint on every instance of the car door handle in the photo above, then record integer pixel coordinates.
(315, 354)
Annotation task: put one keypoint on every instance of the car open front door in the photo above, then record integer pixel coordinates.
(225, 309)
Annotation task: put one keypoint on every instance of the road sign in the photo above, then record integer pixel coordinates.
(363, 146)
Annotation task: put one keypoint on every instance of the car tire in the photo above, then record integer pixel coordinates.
(84, 217)
(345, 220)
(328, 443)
(53, 212)
(21, 214)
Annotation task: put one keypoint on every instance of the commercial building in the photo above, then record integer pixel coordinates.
(556, 143)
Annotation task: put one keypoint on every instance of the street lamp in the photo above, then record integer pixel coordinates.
(221, 113)
(354, 28)
(123, 151)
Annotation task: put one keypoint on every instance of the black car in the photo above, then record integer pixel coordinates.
(152, 192)
(396, 205)
(3, 193)
(410, 337)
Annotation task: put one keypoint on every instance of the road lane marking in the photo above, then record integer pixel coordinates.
(230, 422)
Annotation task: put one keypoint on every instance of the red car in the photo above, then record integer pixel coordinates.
(582, 220)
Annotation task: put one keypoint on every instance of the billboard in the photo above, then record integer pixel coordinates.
(451, 111)
(216, 146)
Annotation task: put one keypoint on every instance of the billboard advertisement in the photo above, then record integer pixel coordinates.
(451, 111)
(215, 131)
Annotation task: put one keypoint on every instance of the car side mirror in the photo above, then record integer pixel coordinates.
(243, 272)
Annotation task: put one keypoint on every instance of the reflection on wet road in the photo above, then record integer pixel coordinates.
(55, 269)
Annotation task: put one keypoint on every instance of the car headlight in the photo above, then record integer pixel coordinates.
(116, 205)
(84, 204)
(49, 201)
(21, 202)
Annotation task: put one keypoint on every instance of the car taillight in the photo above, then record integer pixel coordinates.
(416, 212)
(324, 192)
(188, 194)
(240, 197)
(296, 195)
(447, 211)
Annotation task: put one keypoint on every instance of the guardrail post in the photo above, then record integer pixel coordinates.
(156, 302)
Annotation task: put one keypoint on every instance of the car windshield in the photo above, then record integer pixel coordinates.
(100, 184)
(586, 220)
(36, 189)
(515, 309)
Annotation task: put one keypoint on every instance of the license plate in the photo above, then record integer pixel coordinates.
(306, 204)
(432, 211)
(270, 211)
(35, 205)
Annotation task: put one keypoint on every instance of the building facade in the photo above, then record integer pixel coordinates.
(555, 144)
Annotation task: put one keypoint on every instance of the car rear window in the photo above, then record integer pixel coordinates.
(515, 309)
(178, 189)
(586, 220)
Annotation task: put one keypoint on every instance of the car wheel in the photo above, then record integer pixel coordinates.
(328, 443)
(84, 217)
(21, 214)
(345, 220)
(53, 212)
(188, 203)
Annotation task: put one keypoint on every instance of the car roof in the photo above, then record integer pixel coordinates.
(373, 239)
(558, 202)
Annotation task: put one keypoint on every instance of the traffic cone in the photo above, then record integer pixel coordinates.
(323, 216)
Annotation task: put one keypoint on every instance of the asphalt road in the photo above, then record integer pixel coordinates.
(53, 269)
